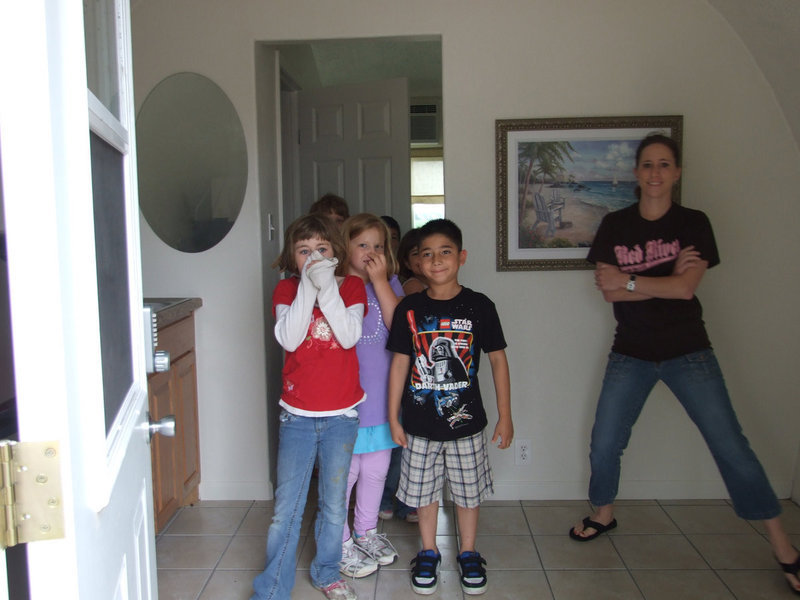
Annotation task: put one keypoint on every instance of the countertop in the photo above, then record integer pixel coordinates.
(171, 310)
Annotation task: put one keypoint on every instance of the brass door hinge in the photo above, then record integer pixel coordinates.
(31, 492)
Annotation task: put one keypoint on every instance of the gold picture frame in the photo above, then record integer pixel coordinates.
(557, 178)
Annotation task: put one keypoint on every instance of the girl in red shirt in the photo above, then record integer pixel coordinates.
(319, 318)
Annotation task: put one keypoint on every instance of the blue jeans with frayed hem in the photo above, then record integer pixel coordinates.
(697, 382)
(303, 440)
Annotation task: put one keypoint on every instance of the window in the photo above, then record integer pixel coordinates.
(102, 62)
(108, 117)
(427, 187)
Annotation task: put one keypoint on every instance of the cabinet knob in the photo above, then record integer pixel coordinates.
(165, 426)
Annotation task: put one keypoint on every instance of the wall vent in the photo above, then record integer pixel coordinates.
(426, 123)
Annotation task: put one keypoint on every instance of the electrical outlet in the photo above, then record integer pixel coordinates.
(522, 452)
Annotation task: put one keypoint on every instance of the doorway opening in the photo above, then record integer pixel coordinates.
(324, 68)
(289, 70)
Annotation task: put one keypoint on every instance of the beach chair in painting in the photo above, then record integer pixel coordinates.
(557, 201)
(547, 212)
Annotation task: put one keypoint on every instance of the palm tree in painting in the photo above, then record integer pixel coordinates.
(540, 161)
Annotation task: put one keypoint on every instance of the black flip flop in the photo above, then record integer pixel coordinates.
(792, 569)
(599, 529)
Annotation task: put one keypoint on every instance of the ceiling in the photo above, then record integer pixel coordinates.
(323, 63)
(770, 29)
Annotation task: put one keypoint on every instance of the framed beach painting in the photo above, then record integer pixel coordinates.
(558, 178)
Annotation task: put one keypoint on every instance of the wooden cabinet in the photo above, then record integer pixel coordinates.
(176, 460)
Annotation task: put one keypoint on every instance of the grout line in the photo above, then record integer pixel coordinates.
(538, 553)
(696, 549)
(169, 523)
(625, 565)
(374, 586)
(230, 541)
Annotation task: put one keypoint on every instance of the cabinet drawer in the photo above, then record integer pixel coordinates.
(177, 338)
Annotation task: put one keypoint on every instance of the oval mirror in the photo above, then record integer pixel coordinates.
(192, 162)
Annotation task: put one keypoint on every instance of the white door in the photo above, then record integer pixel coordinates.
(71, 219)
(354, 142)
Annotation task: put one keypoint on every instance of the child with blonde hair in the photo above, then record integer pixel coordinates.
(370, 258)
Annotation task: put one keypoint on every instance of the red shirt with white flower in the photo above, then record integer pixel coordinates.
(320, 376)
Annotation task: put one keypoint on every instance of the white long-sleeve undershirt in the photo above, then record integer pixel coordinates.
(292, 321)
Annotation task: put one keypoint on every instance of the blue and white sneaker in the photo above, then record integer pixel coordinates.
(473, 573)
(425, 572)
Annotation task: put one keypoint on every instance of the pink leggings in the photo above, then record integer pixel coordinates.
(369, 471)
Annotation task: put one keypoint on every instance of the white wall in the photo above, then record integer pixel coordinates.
(230, 325)
(522, 59)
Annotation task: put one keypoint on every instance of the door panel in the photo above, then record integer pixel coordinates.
(186, 380)
(46, 119)
(328, 176)
(375, 183)
(354, 142)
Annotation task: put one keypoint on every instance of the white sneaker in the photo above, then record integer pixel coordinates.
(355, 562)
(339, 590)
(377, 546)
(386, 515)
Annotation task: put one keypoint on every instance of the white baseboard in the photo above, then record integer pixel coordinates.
(529, 490)
(236, 490)
(629, 490)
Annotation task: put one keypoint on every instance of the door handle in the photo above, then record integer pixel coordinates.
(165, 426)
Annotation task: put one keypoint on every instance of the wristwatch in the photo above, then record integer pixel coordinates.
(631, 285)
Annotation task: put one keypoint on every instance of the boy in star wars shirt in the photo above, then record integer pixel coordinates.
(442, 399)
(437, 337)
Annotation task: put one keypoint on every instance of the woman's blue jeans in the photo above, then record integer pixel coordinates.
(304, 440)
(697, 382)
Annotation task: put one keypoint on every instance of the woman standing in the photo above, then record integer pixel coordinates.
(650, 259)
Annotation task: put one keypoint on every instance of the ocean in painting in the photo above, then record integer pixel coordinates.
(599, 193)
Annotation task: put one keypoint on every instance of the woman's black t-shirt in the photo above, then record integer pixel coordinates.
(655, 329)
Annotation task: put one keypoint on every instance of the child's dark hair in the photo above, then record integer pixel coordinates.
(305, 228)
(330, 203)
(444, 227)
(657, 138)
(391, 223)
(407, 243)
(358, 224)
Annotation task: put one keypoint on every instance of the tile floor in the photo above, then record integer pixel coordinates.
(661, 550)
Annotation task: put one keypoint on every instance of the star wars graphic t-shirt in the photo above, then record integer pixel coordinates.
(444, 338)
(659, 328)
